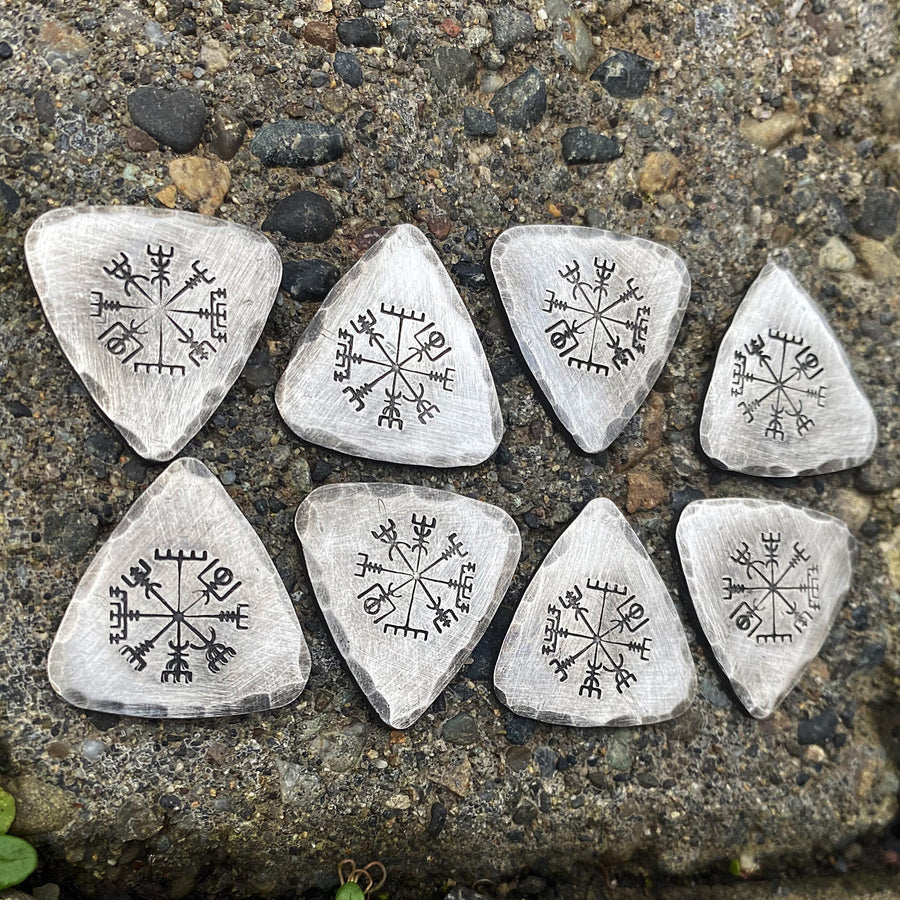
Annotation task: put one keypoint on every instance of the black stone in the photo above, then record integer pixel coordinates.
(371, 4)
(452, 67)
(228, 133)
(519, 729)
(469, 275)
(348, 69)
(521, 103)
(461, 730)
(5, 50)
(478, 122)
(44, 107)
(879, 214)
(680, 499)
(511, 26)
(174, 118)
(297, 144)
(581, 146)
(625, 75)
(308, 280)
(18, 410)
(437, 819)
(302, 216)
(104, 445)
(818, 729)
(9, 199)
(320, 471)
(503, 456)
(359, 33)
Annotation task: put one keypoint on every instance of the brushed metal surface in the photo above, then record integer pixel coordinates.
(408, 579)
(783, 399)
(595, 314)
(390, 366)
(596, 639)
(157, 311)
(181, 613)
(767, 580)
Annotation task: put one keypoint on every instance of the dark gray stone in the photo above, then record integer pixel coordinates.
(818, 729)
(836, 220)
(581, 146)
(478, 122)
(297, 144)
(767, 173)
(348, 69)
(452, 67)
(511, 26)
(44, 107)
(624, 75)
(9, 199)
(228, 133)
(359, 32)
(174, 118)
(879, 214)
(308, 280)
(521, 103)
(461, 730)
(302, 216)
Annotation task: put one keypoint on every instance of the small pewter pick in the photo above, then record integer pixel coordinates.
(596, 314)
(390, 366)
(782, 399)
(596, 639)
(156, 310)
(181, 613)
(408, 579)
(767, 580)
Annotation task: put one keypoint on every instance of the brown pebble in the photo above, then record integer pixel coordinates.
(58, 750)
(137, 139)
(782, 235)
(769, 133)
(450, 27)
(645, 491)
(659, 173)
(368, 237)
(321, 34)
(439, 226)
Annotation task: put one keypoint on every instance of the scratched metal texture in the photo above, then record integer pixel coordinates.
(402, 671)
(459, 423)
(593, 407)
(184, 509)
(843, 432)
(709, 534)
(599, 546)
(157, 412)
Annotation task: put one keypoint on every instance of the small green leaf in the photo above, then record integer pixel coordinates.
(18, 859)
(734, 866)
(350, 891)
(7, 811)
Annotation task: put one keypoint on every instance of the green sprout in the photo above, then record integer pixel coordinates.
(18, 859)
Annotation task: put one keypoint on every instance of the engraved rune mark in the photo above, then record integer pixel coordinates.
(398, 374)
(418, 584)
(160, 324)
(776, 592)
(602, 645)
(597, 328)
(166, 604)
(776, 375)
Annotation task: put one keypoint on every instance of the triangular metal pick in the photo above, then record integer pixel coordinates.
(156, 310)
(408, 579)
(596, 314)
(596, 639)
(767, 580)
(390, 366)
(181, 613)
(783, 400)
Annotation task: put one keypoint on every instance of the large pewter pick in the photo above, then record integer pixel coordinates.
(596, 639)
(767, 580)
(783, 400)
(182, 613)
(390, 366)
(408, 579)
(157, 311)
(596, 314)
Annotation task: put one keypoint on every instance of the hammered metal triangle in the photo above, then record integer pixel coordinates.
(408, 579)
(596, 639)
(390, 366)
(783, 400)
(595, 314)
(156, 310)
(181, 613)
(767, 580)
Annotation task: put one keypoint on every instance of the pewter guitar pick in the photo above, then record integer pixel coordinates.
(596, 639)
(156, 310)
(767, 580)
(181, 613)
(595, 314)
(390, 367)
(408, 579)
(783, 400)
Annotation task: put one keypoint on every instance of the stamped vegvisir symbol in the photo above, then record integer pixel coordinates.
(778, 374)
(157, 323)
(604, 317)
(777, 594)
(418, 585)
(170, 605)
(398, 373)
(603, 647)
